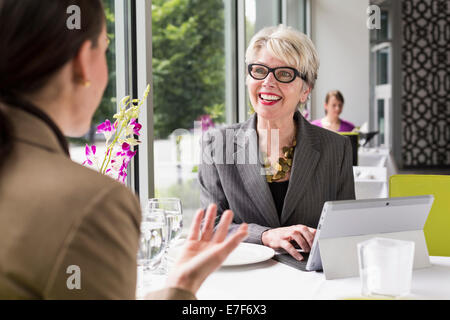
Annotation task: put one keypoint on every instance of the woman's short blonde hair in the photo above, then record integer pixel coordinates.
(289, 45)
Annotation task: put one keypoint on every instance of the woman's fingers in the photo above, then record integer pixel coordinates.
(286, 245)
(312, 230)
(222, 228)
(235, 239)
(208, 226)
(308, 235)
(239, 235)
(298, 237)
(194, 233)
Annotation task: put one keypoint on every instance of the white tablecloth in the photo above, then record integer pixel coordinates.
(273, 280)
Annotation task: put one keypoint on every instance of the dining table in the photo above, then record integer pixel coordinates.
(273, 280)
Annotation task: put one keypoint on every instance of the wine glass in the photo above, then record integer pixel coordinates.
(174, 216)
(152, 244)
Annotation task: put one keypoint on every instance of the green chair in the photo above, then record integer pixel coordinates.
(437, 226)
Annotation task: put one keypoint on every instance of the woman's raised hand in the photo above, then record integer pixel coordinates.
(205, 250)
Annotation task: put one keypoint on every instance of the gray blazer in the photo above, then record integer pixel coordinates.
(321, 171)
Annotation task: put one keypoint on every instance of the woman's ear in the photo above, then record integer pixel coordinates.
(82, 64)
(304, 95)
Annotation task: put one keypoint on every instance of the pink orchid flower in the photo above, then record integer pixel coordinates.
(118, 154)
(125, 146)
(90, 152)
(126, 151)
(123, 170)
(136, 127)
(107, 129)
(131, 154)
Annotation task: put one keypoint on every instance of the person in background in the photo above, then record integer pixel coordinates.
(334, 103)
(54, 213)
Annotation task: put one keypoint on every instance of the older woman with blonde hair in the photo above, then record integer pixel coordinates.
(300, 165)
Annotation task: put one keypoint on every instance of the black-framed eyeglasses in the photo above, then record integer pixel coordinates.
(282, 74)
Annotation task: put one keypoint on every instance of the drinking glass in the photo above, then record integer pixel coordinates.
(386, 266)
(152, 243)
(174, 217)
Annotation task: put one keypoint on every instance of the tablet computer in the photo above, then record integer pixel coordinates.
(368, 216)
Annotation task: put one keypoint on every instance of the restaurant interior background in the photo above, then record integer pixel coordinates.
(395, 80)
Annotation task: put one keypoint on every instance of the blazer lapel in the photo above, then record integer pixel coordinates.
(246, 146)
(306, 157)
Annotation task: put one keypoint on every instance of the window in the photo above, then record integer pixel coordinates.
(382, 65)
(189, 89)
(382, 34)
(381, 78)
(380, 108)
(260, 14)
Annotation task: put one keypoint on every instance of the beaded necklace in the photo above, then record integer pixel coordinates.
(282, 166)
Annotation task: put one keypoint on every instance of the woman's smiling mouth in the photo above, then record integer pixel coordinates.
(268, 98)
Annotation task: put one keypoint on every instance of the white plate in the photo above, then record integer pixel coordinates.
(247, 253)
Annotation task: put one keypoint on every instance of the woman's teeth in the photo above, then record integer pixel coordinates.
(269, 97)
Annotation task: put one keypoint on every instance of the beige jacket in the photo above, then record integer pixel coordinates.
(55, 214)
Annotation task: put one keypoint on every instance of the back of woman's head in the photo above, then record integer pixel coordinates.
(36, 40)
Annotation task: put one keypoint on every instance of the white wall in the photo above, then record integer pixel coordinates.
(341, 37)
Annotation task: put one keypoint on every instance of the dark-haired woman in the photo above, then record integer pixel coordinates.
(55, 215)
(334, 103)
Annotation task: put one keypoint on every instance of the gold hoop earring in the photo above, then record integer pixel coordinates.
(86, 84)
